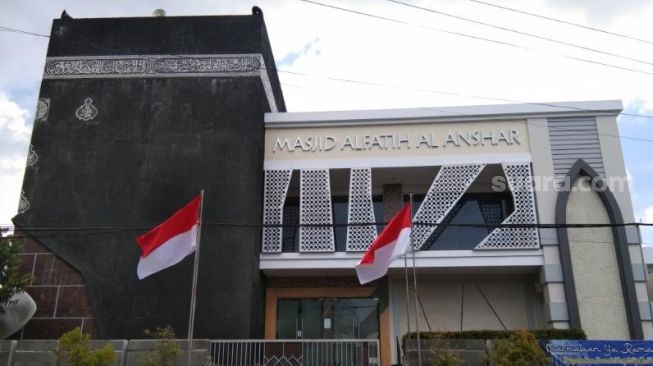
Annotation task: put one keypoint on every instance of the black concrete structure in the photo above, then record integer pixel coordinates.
(135, 116)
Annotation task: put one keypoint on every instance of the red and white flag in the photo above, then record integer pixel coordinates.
(392, 243)
(171, 241)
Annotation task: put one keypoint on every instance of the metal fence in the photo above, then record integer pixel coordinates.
(295, 352)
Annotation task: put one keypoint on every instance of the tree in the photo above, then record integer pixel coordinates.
(521, 349)
(11, 280)
(74, 347)
(166, 350)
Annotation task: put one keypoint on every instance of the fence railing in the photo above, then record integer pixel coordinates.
(295, 352)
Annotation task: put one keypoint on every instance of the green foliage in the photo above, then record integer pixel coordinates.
(542, 334)
(74, 347)
(166, 349)
(11, 281)
(545, 334)
(444, 357)
(521, 349)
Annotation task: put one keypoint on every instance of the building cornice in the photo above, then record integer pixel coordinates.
(443, 114)
(283, 263)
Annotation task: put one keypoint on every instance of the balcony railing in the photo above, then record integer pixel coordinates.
(295, 352)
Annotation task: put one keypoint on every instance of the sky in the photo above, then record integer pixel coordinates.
(420, 59)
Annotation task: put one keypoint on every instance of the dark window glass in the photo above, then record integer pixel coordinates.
(290, 241)
(340, 216)
(356, 319)
(340, 210)
(378, 211)
(311, 318)
(328, 318)
(451, 238)
(288, 312)
(488, 210)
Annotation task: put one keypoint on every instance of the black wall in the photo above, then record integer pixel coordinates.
(154, 144)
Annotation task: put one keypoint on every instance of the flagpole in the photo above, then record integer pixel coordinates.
(193, 294)
(407, 294)
(412, 249)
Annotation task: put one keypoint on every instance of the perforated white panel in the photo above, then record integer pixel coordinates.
(447, 188)
(361, 210)
(315, 209)
(274, 196)
(519, 179)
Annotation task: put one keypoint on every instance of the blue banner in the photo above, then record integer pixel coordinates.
(568, 352)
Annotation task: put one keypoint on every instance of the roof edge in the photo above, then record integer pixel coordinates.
(443, 114)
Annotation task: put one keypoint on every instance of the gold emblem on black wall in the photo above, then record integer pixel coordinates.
(86, 111)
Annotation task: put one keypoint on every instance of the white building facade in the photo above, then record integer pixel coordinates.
(500, 195)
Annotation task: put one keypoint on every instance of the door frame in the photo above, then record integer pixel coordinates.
(273, 294)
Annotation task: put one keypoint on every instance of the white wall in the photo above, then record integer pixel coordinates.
(595, 268)
(515, 298)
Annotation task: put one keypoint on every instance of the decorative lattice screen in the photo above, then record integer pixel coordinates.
(361, 210)
(447, 188)
(519, 179)
(274, 196)
(315, 209)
